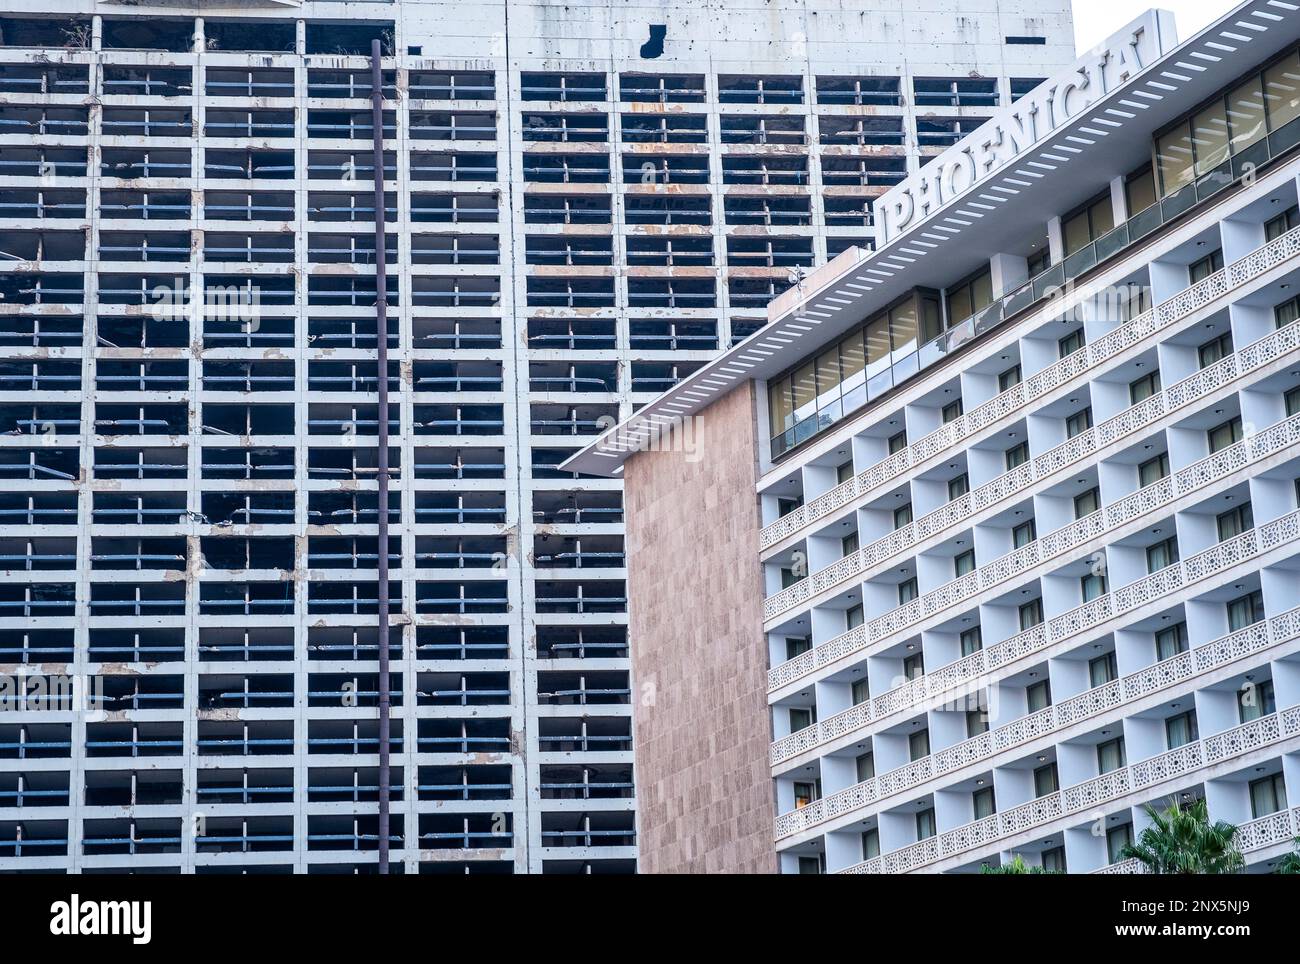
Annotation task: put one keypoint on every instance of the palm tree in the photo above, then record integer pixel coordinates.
(1290, 863)
(1181, 840)
(1017, 866)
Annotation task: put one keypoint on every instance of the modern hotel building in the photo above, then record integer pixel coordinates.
(989, 538)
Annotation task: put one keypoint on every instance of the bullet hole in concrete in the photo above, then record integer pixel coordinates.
(654, 47)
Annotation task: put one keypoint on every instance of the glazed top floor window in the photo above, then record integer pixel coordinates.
(1089, 223)
(1229, 124)
(822, 389)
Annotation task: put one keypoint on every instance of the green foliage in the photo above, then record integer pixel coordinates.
(1181, 840)
(1290, 864)
(1017, 866)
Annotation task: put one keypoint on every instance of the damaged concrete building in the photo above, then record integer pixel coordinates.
(583, 203)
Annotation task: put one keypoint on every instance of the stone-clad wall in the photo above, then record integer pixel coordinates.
(704, 790)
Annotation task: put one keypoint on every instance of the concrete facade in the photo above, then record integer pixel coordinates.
(579, 215)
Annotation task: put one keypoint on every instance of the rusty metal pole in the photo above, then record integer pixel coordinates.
(381, 321)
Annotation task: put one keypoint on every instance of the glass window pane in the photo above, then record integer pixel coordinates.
(828, 374)
(1210, 137)
(852, 356)
(781, 406)
(902, 327)
(1174, 159)
(1246, 114)
(982, 291)
(878, 339)
(1076, 232)
(1102, 215)
(1141, 192)
(805, 389)
(959, 304)
(931, 321)
(1282, 91)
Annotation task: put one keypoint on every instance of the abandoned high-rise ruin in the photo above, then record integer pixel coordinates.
(584, 202)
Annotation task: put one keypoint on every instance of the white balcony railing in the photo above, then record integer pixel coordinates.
(1084, 797)
(1066, 455)
(1010, 402)
(1050, 719)
(1185, 481)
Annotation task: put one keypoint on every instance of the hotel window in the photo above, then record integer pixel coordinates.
(1267, 795)
(849, 544)
(854, 617)
(1215, 349)
(977, 722)
(1017, 455)
(963, 563)
(1009, 378)
(1245, 611)
(918, 745)
(1180, 730)
(788, 578)
(861, 692)
(1291, 402)
(1070, 343)
(951, 411)
(902, 515)
(1235, 521)
(1162, 554)
(1143, 388)
(1171, 641)
(1286, 312)
(1117, 838)
(1153, 470)
(797, 645)
(983, 803)
(870, 844)
(1110, 755)
(1079, 422)
(1274, 228)
(913, 666)
(1045, 781)
(804, 794)
(969, 296)
(786, 506)
(1089, 223)
(958, 486)
(1255, 700)
(1038, 696)
(925, 824)
(1086, 503)
(1092, 585)
(844, 472)
(1031, 614)
(1023, 534)
(1203, 268)
(1224, 434)
(907, 591)
(1102, 670)
(866, 766)
(971, 641)
(897, 442)
(800, 719)
(1140, 190)
(810, 865)
(1039, 258)
(1054, 860)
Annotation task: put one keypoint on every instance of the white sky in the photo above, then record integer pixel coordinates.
(1095, 20)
